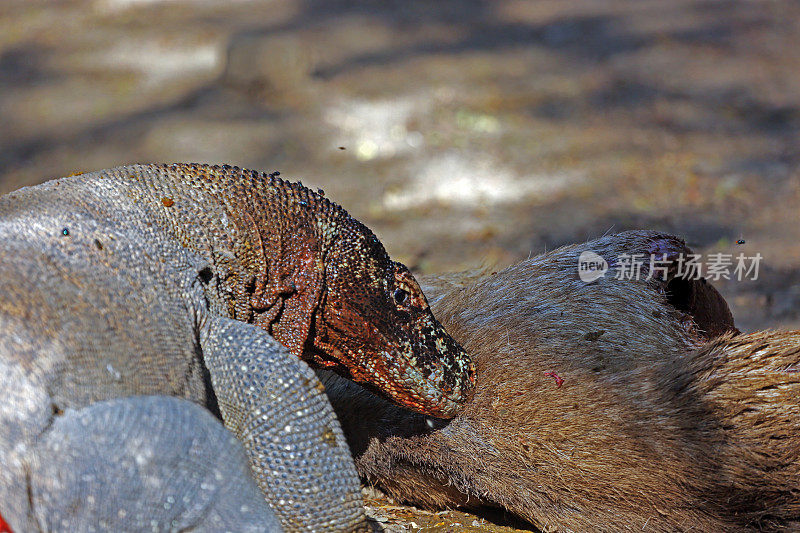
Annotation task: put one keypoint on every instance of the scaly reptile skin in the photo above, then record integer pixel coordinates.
(176, 281)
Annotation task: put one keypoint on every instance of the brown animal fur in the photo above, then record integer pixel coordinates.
(655, 428)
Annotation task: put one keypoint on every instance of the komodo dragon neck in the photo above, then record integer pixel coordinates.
(268, 244)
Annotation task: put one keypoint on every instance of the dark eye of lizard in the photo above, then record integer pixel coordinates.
(400, 296)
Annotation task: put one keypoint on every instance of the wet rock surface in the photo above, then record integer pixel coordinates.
(464, 133)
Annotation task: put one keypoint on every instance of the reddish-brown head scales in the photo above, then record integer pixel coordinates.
(375, 323)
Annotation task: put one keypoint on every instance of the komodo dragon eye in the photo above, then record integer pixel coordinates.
(400, 296)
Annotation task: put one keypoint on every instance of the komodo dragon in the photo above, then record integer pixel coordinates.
(126, 292)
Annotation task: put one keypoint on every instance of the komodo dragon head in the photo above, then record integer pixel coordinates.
(375, 322)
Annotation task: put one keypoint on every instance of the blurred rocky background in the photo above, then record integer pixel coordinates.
(465, 133)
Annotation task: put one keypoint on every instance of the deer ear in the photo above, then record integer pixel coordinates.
(701, 301)
(692, 295)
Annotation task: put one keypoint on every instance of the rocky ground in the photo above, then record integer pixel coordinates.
(464, 133)
(389, 517)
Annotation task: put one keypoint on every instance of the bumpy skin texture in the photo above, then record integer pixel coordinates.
(79, 461)
(177, 281)
(659, 424)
